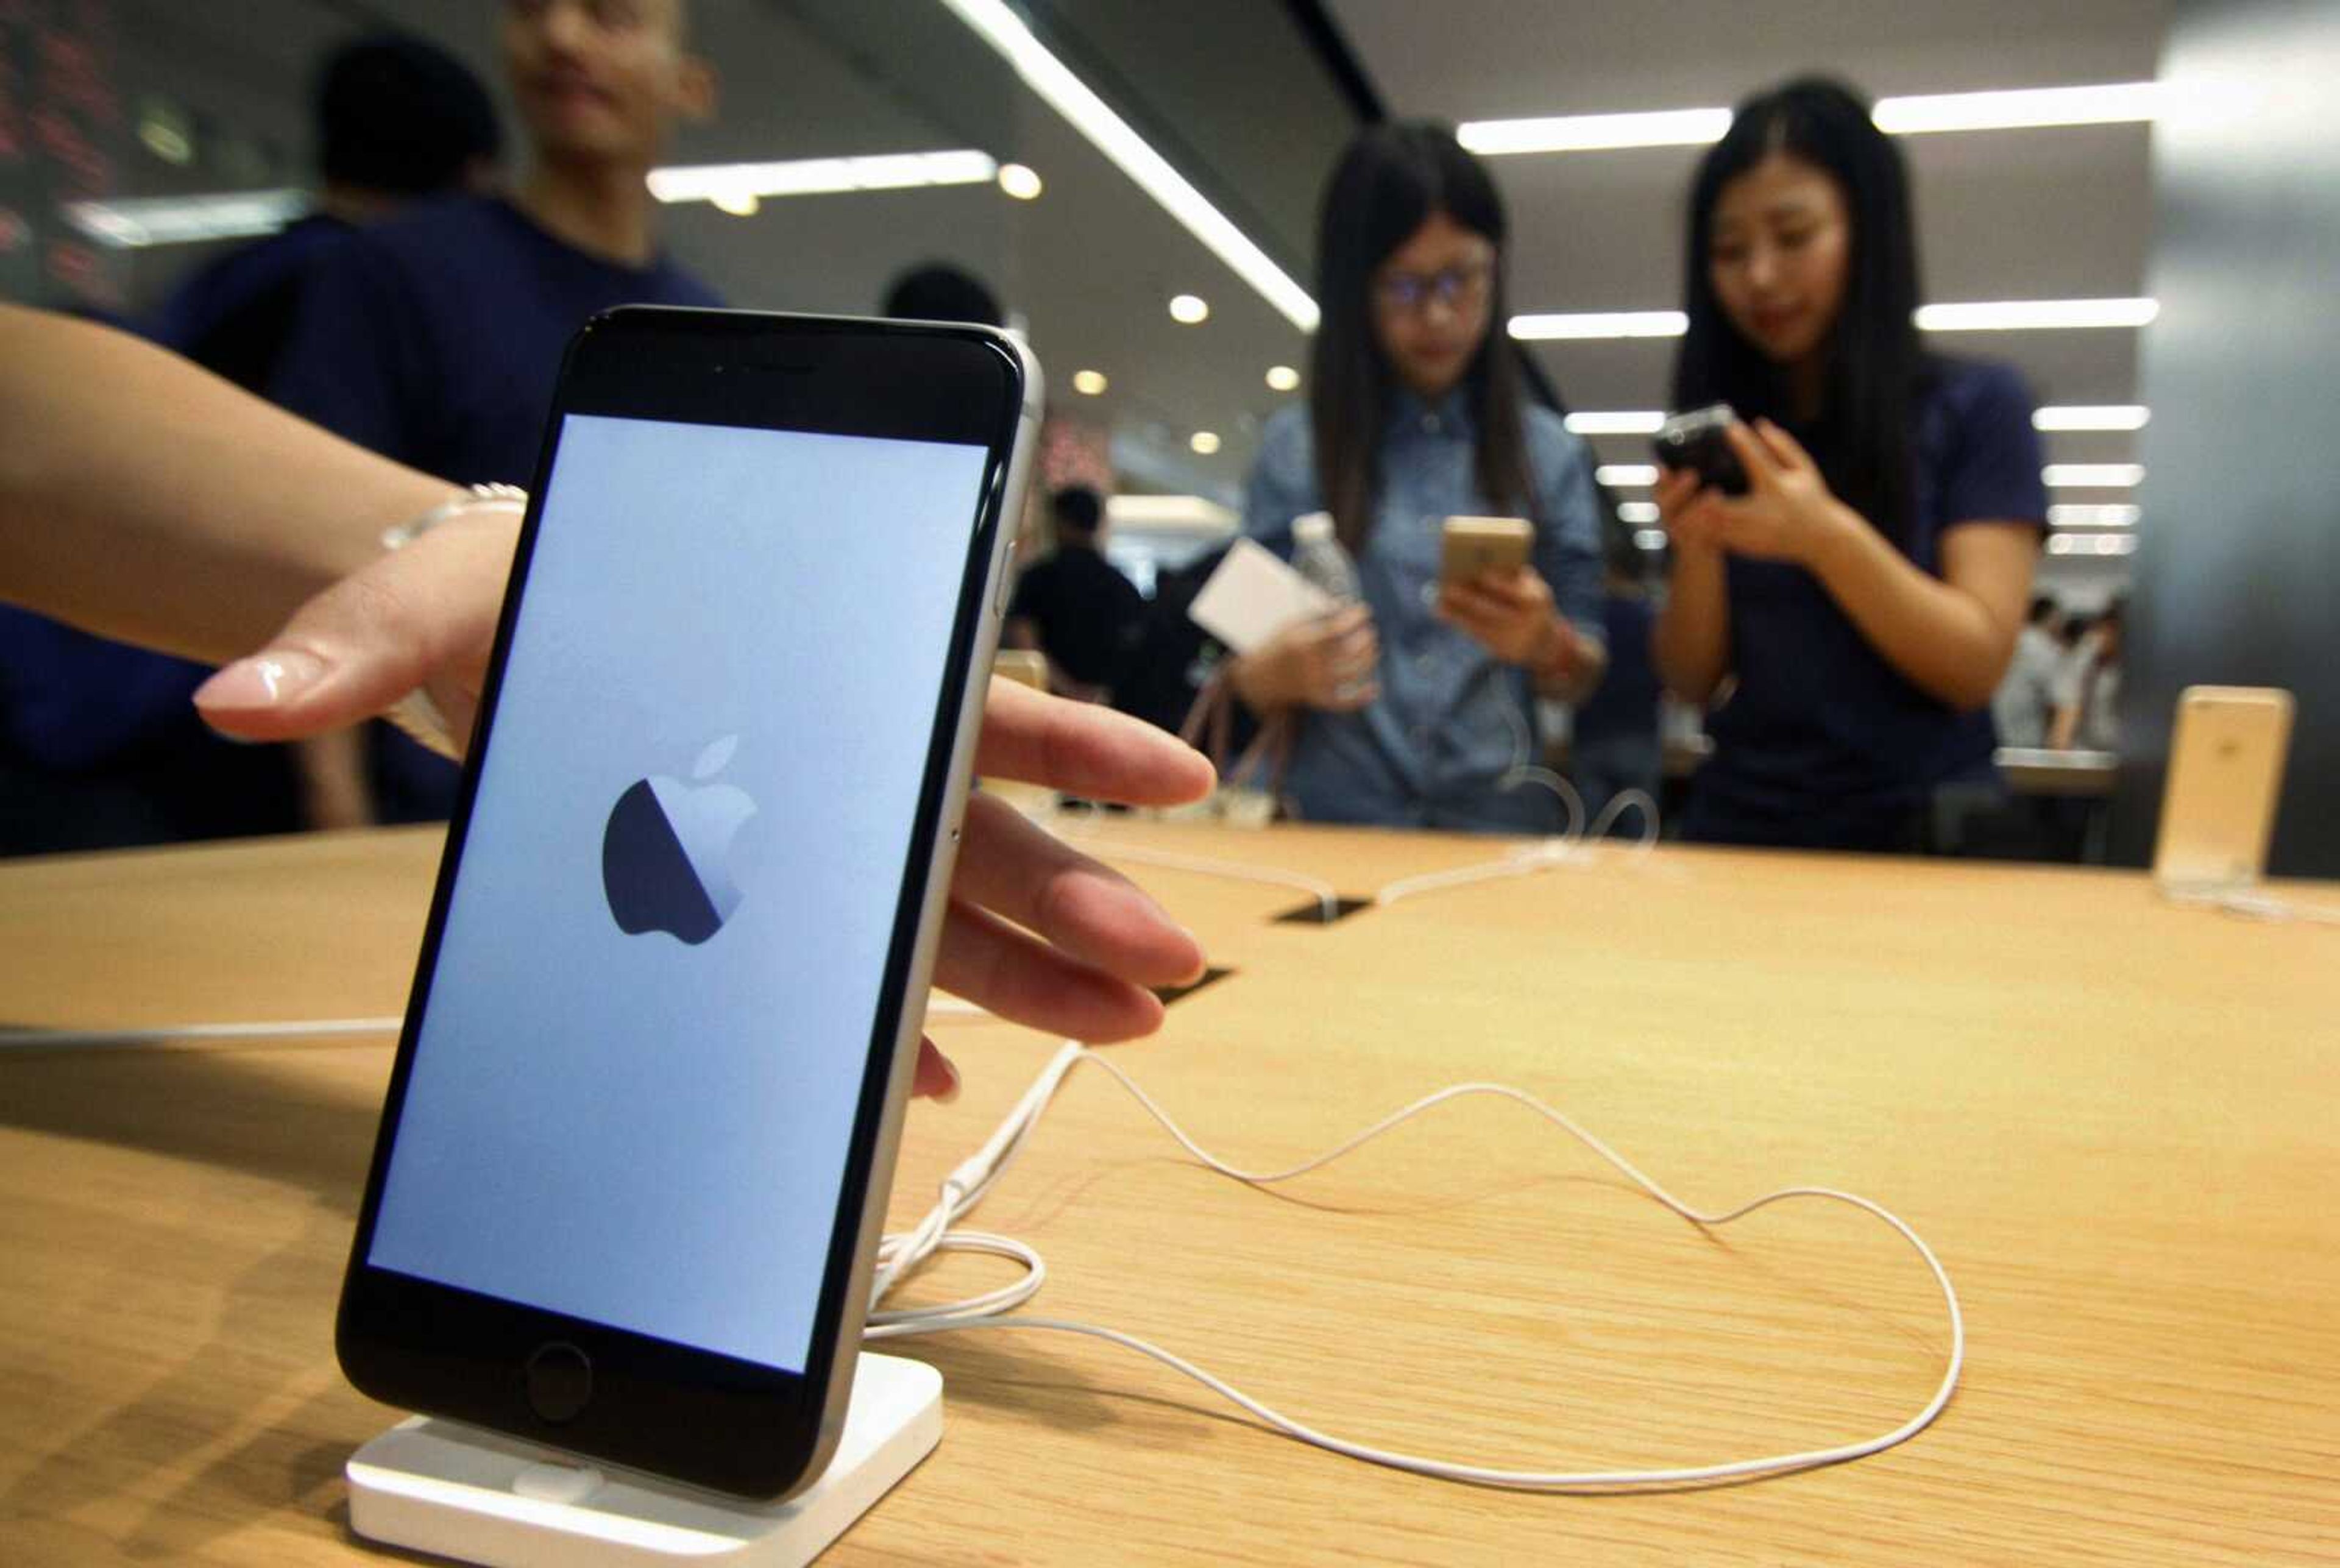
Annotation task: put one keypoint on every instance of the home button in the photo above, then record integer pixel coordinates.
(560, 1381)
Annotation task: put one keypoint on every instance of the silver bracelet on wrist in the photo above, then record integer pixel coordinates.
(475, 498)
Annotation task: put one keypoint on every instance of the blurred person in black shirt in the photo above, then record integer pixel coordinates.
(99, 743)
(941, 292)
(398, 120)
(1075, 607)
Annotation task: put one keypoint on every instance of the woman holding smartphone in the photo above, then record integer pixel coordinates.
(1862, 598)
(1416, 707)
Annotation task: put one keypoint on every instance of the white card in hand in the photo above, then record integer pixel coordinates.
(1252, 596)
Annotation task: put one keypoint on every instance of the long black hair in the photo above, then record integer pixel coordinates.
(1875, 365)
(1391, 180)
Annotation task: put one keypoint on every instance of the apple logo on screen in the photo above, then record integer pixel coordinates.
(666, 855)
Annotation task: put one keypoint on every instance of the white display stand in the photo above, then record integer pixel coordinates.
(438, 1486)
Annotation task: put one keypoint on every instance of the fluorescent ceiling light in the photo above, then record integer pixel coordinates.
(1109, 133)
(2092, 475)
(1582, 325)
(1626, 473)
(2110, 104)
(1168, 514)
(1642, 511)
(2091, 416)
(2113, 103)
(2017, 315)
(2092, 544)
(2070, 516)
(139, 222)
(736, 183)
(1595, 133)
(1619, 421)
(1650, 538)
(2001, 315)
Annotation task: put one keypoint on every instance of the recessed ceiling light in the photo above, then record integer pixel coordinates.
(1627, 473)
(2092, 544)
(739, 204)
(1204, 442)
(1282, 378)
(1089, 383)
(1650, 538)
(821, 176)
(1640, 511)
(1618, 421)
(999, 24)
(1189, 309)
(2092, 475)
(1020, 182)
(2091, 416)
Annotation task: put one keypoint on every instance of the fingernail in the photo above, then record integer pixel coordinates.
(262, 681)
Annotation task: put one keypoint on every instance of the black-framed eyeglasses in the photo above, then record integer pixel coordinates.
(1453, 287)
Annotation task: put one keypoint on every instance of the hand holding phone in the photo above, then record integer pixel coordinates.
(1471, 546)
(1695, 443)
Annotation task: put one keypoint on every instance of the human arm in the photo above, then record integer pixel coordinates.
(1690, 640)
(1544, 616)
(1328, 662)
(148, 500)
(1950, 636)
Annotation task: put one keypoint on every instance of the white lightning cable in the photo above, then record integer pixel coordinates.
(160, 1034)
(2255, 905)
(975, 1177)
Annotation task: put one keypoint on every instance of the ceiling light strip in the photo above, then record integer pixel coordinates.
(2106, 104)
(1109, 133)
(821, 176)
(1999, 315)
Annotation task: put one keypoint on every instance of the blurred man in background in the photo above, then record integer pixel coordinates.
(436, 338)
(1075, 606)
(99, 743)
(2026, 697)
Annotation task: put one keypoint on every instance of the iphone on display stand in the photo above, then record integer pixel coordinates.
(640, 1134)
(2225, 774)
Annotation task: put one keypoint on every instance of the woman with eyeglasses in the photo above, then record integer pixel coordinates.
(1417, 707)
(1862, 598)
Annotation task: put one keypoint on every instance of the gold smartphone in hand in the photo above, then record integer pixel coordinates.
(1473, 545)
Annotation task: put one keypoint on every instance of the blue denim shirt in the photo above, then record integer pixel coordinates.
(1452, 721)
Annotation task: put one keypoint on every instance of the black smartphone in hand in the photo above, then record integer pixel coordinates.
(1695, 442)
(640, 1130)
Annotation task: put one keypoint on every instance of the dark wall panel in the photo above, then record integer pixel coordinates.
(2238, 567)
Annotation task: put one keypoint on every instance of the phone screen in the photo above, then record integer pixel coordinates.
(646, 1031)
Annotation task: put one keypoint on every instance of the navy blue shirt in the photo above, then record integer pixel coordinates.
(436, 339)
(1824, 744)
(1439, 747)
(234, 316)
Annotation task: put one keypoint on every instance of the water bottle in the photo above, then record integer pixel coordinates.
(1318, 557)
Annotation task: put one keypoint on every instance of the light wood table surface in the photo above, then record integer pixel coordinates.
(2114, 1119)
